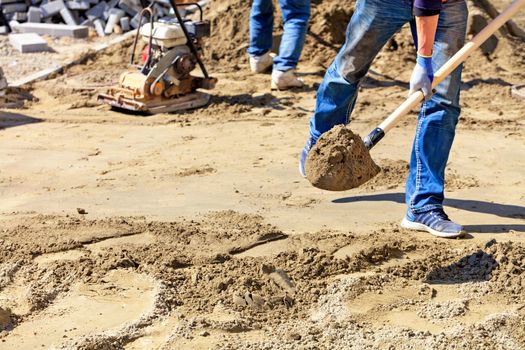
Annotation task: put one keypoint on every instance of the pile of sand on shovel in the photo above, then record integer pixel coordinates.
(339, 161)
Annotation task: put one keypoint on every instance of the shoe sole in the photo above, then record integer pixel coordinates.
(421, 227)
(301, 171)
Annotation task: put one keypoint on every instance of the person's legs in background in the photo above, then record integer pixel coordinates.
(261, 26)
(296, 14)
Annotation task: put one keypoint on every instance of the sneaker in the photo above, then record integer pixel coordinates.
(436, 222)
(307, 147)
(261, 64)
(285, 80)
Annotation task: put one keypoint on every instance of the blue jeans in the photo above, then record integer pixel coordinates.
(373, 23)
(295, 16)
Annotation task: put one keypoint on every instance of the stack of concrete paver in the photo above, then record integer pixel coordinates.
(74, 17)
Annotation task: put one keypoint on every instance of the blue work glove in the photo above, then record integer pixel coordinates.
(422, 77)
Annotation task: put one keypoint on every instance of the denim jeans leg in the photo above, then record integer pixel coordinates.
(438, 117)
(373, 23)
(261, 25)
(295, 17)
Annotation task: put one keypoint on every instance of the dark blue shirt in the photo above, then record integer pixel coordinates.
(427, 7)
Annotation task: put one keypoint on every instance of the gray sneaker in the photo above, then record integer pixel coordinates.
(436, 222)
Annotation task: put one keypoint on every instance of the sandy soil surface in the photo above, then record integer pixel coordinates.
(62, 50)
(195, 231)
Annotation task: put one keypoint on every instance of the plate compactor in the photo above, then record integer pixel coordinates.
(163, 82)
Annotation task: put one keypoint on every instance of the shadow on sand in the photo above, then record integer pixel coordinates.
(498, 209)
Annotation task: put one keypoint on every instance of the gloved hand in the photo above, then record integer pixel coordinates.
(422, 77)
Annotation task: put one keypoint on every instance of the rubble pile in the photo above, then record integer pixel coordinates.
(74, 17)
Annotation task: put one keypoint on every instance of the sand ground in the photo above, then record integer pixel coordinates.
(197, 231)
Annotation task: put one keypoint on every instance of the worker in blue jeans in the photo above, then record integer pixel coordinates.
(439, 31)
(295, 17)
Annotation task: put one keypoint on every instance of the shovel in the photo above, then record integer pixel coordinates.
(348, 164)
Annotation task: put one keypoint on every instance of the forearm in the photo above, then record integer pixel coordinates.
(426, 32)
(427, 14)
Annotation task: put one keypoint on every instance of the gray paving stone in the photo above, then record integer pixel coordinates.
(159, 10)
(78, 5)
(52, 8)
(97, 11)
(19, 16)
(124, 24)
(68, 17)
(34, 15)
(135, 21)
(28, 42)
(5, 2)
(12, 8)
(99, 26)
(114, 17)
(129, 7)
(58, 30)
(88, 23)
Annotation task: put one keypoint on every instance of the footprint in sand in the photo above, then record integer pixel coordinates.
(88, 309)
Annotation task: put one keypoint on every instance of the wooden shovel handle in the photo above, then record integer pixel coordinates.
(415, 99)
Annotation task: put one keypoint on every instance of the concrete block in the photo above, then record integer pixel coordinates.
(5, 2)
(3, 30)
(124, 24)
(97, 11)
(58, 30)
(12, 8)
(159, 11)
(111, 4)
(87, 23)
(76, 16)
(135, 21)
(68, 17)
(28, 42)
(129, 7)
(78, 5)
(52, 8)
(99, 27)
(20, 16)
(34, 15)
(114, 17)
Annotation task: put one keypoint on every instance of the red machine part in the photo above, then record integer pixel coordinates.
(145, 54)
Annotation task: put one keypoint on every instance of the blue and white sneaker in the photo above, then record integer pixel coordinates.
(307, 147)
(436, 222)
